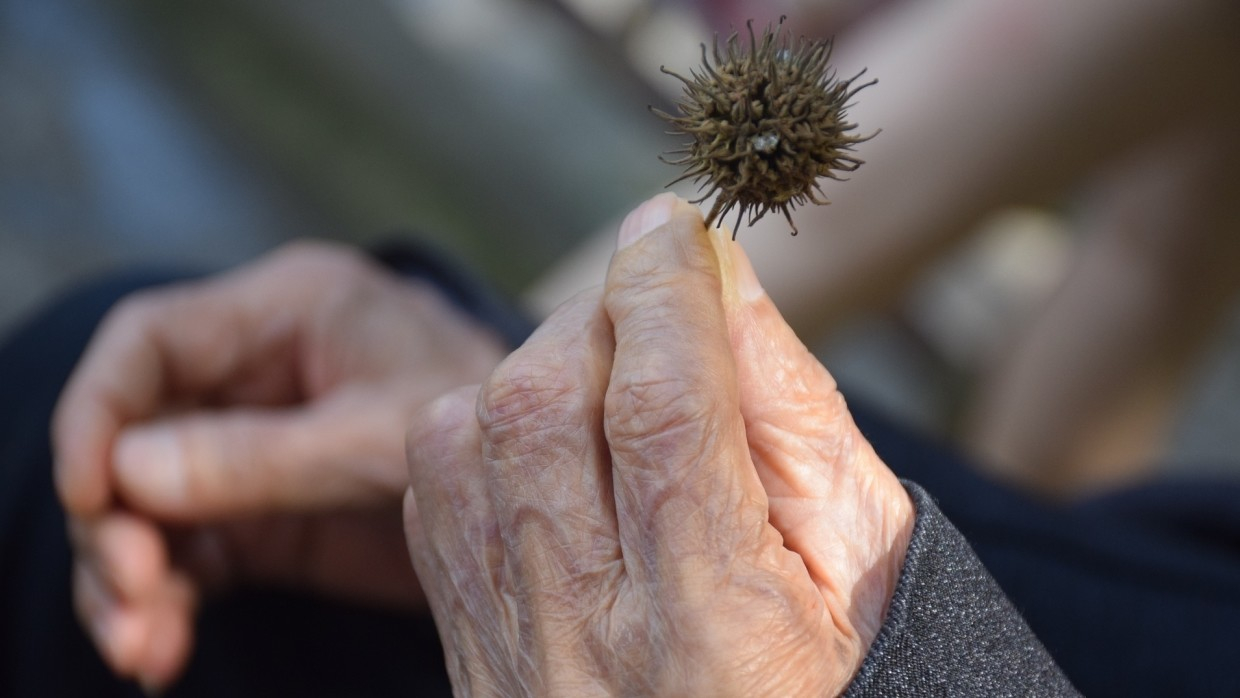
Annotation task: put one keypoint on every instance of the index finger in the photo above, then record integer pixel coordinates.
(185, 340)
(684, 482)
(113, 383)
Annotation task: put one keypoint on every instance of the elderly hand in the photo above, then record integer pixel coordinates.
(249, 428)
(661, 493)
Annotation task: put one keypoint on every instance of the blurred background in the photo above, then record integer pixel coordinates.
(210, 131)
(140, 132)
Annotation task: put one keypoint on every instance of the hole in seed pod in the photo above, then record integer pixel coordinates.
(765, 142)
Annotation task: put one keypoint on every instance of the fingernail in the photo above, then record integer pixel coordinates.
(747, 284)
(148, 460)
(653, 213)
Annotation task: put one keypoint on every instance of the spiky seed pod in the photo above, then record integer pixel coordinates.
(766, 122)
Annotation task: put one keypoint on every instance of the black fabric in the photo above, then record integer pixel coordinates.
(949, 630)
(42, 649)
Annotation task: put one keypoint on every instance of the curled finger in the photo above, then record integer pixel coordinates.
(454, 539)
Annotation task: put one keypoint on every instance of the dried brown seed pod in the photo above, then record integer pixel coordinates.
(766, 122)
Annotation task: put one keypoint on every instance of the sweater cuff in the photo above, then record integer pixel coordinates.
(949, 628)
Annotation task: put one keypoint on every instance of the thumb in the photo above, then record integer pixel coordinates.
(203, 466)
(836, 503)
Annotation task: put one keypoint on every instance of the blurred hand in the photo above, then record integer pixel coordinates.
(661, 493)
(248, 428)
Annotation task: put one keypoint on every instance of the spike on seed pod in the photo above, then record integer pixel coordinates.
(766, 122)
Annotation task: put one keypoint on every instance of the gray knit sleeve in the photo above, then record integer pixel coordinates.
(950, 631)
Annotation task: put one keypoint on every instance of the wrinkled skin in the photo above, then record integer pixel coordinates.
(248, 429)
(661, 493)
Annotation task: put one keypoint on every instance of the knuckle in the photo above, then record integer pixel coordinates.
(314, 257)
(433, 433)
(137, 315)
(134, 310)
(447, 413)
(525, 399)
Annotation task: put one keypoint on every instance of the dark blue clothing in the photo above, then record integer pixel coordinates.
(1136, 593)
(950, 630)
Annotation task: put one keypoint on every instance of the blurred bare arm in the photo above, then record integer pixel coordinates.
(981, 104)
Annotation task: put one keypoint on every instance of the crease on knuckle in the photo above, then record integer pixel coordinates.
(640, 293)
(659, 416)
(531, 401)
